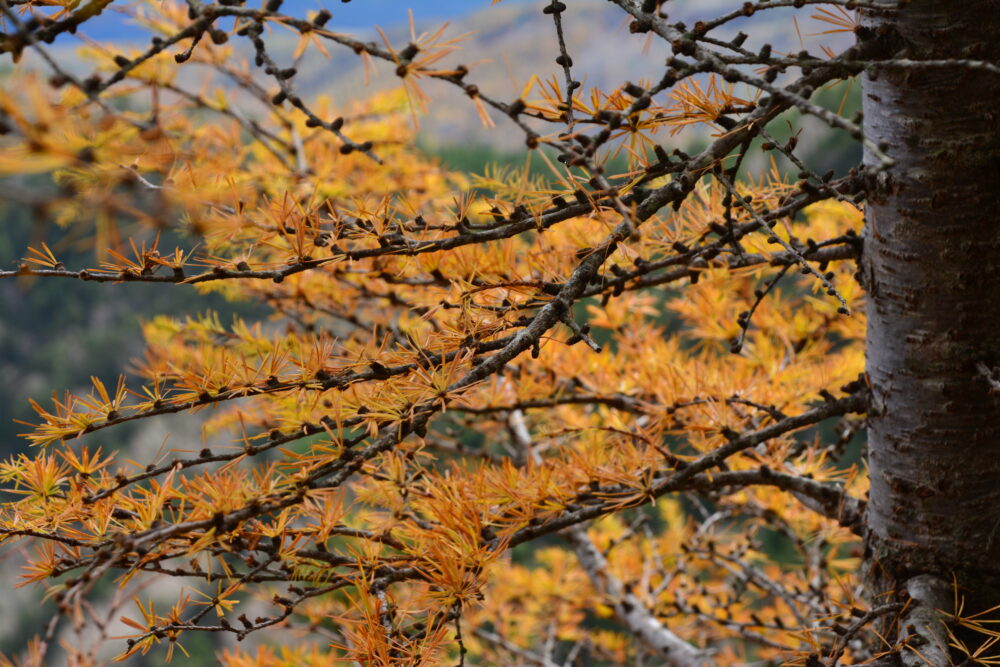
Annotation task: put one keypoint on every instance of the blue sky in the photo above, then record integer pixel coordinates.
(358, 14)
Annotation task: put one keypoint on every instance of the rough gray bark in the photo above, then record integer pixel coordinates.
(932, 270)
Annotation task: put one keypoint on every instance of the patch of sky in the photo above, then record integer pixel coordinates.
(358, 16)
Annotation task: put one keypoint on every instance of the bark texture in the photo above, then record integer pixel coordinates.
(932, 270)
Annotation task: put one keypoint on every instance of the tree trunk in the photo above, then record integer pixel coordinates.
(932, 270)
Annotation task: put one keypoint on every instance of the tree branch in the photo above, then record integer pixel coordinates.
(630, 611)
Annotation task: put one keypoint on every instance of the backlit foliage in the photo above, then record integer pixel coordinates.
(457, 370)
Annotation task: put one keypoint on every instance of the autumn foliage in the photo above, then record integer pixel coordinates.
(572, 414)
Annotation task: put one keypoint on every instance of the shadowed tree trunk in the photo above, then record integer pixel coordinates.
(932, 270)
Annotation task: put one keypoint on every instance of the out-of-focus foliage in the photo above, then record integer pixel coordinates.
(454, 367)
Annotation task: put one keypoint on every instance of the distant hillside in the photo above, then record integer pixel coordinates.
(507, 42)
(511, 41)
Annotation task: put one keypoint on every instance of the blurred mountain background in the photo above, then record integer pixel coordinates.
(504, 43)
